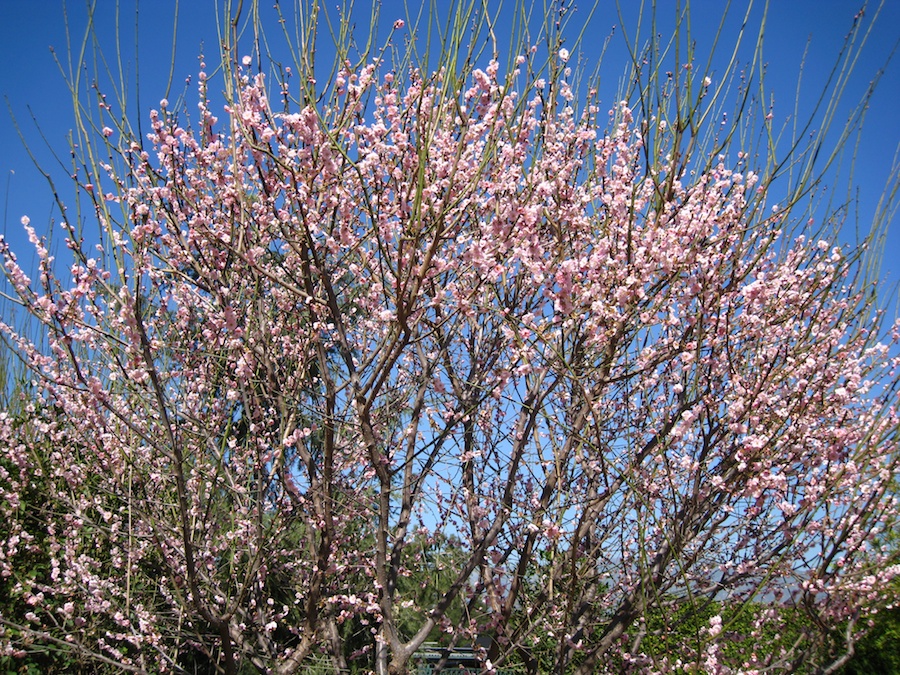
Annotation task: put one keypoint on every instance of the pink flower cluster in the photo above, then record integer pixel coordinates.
(438, 318)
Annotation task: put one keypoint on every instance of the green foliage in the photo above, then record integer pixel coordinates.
(430, 569)
(879, 650)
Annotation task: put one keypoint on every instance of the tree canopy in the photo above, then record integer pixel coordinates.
(417, 355)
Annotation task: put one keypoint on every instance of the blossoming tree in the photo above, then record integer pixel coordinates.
(338, 330)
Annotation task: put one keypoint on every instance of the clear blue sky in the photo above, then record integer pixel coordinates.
(31, 82)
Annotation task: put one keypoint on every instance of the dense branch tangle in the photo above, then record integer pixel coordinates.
(459, 314)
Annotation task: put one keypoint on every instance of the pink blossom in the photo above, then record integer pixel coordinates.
(438, 327)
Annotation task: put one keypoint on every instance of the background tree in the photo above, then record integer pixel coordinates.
(419, 305)
(879, 650)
